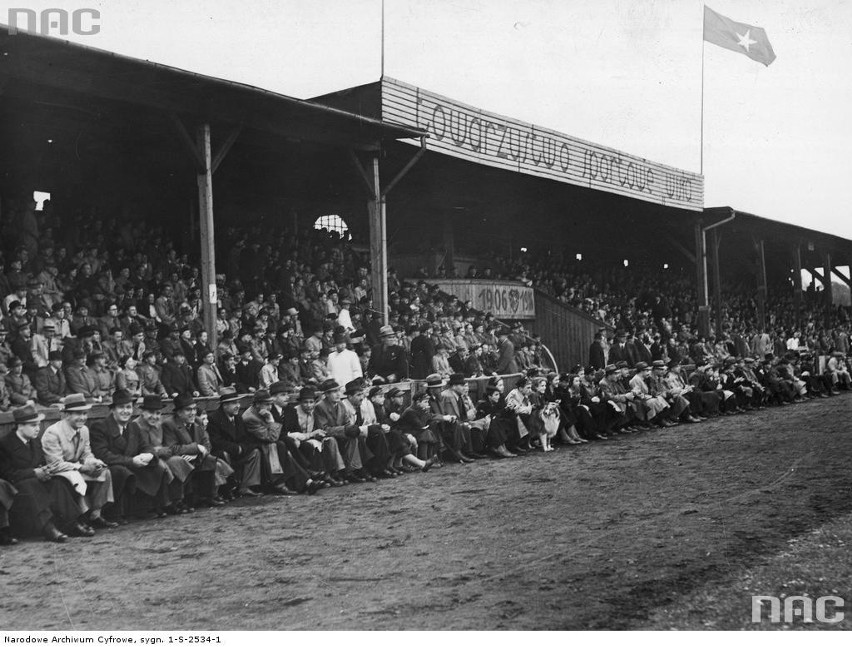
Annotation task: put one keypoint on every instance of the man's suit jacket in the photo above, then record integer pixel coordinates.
(209, 380)
(114, 448)
(264, 431)
(50, 385)
(17, 460)
(617, 353)
(596, 355)
(506, 363)
(333, 418)
(177, 379)
(81, 380)
(182, 439)
(230, 437)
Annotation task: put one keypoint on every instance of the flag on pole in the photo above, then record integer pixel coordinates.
(737, 36)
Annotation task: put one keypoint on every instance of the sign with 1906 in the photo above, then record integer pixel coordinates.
(505, 300)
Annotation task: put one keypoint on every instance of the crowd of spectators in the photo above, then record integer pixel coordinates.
(306, 374)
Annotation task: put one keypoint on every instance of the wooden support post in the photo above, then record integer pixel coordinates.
(797, 283)
(208, 248)
(826, 282)
(449, 240)
(717, 282)
(761, 283)
(378, 242)
(702, 315)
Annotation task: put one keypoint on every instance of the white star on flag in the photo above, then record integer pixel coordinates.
(745, 40)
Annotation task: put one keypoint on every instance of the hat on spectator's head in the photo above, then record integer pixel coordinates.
(86, 331)
(292, 312)
(641, 366)
(434, 380)
(658, 363)
(152, 402)
(393, 392)
(610, 369)
(355, 386)
(75, 402)
(674, 361)
(730, 361)
(182, 401)
(228, 394)
(503, 332)
(456, 379)
(15, 304)
(386, 331)
(374, 391)
(278, 387)
(339, 338)
(307, 393)
(274, 356)
(262, 397)
(329, 385)
(120, 397)
(27, 415)
(151, 326)
(54, 355)
(48, 325)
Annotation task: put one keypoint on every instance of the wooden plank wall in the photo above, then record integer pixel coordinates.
(566, 331)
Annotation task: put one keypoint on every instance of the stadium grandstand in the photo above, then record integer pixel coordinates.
(389, 281)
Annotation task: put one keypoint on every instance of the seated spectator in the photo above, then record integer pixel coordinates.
(50, 381)
(42, 501)
(18, 385)
(69, 454)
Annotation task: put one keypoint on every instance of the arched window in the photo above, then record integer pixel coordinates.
(333, 223)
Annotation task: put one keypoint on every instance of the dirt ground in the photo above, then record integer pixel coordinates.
(611, 535)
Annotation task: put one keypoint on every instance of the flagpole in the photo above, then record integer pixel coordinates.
(383, 40)
(701, 167)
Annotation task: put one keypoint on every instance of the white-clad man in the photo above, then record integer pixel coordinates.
(69, 455)
(343, 364)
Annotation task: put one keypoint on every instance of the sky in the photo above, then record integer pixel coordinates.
(623, 73)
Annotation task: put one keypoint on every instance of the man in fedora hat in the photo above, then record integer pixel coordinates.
(41, 502)
(320, 450)
(69, 455)
(130, 457)
(179, 468)
(445, 425)
(389, 360)
(186, 437)
(333, 417)
(282, 474)
(232, 443)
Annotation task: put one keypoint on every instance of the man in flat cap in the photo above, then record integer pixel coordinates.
(68, 453)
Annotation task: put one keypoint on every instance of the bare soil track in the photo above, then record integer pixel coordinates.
(595, 537)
